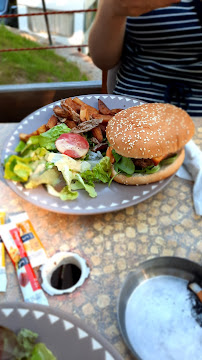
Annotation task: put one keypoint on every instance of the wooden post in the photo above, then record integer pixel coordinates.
(104, 82)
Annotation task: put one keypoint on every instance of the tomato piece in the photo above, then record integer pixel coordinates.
(73, 145)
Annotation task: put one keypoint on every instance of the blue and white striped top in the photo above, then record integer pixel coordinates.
(162, 57)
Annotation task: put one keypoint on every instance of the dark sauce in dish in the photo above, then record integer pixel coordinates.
(65, 276)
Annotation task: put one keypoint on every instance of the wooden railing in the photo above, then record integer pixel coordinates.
(17, 101)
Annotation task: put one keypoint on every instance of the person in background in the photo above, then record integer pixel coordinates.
(157, 47)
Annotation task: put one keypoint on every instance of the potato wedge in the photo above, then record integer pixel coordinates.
(103, 109)
(52, 122)
(60, 112)
(91, 109)
(115, 111)
(97, 133)
(74, 105)
(84, 114)
(105, 118)
(70, 123)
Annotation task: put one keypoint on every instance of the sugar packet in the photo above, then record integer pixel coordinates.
(29, 284)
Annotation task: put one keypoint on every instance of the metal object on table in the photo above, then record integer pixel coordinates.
(157, 315)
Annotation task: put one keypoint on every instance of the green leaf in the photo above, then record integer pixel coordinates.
(123, 164)
(20, 147)
(27, 340)
(116, 156)
(17, 168)
(100, 172)
(89, 188)
(48, 138)
(169, 160)
(41, 352)
(64, 194)
(148, 170)
(126, 165)
(50, 176)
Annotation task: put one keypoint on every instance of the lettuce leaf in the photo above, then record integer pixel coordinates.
(169, 160)
(80, 184)
(65, 194)
(27, 340)
(50, 176)
(46, 139)
(17, 168)
(100, 172)
(126, 165)
(123, 164)
(22, 346)
(41, 352)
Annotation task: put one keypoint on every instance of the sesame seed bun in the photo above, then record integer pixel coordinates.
(143, 179)
(149, 130)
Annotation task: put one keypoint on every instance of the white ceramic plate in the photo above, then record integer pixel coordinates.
(65, 335)
(113, 198)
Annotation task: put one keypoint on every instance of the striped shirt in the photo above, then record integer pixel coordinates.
(162, 57)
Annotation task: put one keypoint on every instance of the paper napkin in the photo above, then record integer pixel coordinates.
(191, 169)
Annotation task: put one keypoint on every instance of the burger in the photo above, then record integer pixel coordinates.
(146, 142)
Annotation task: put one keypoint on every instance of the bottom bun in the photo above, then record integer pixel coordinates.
(143, 179)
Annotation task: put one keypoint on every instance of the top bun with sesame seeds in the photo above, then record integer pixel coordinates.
(150, 135)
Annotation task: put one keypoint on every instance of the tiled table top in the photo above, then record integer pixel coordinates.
(112, 244)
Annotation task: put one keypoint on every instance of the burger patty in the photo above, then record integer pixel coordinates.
(142, 163)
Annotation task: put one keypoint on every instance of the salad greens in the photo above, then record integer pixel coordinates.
(39, 162)
(22, 346)
(126, 165)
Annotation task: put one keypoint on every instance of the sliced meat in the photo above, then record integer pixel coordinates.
(143, 163)
(100, 147)
(86, 126)
(72, 114)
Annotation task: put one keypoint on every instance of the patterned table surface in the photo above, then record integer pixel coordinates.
(113, 244)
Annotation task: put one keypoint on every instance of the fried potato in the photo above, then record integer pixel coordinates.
(84, 114)
(97, 133)
(52, 122)
(91, 109)
(78, 101)
(80, 117)
(73, 104)
(103, 109)
(70, 123)
(115, 111)
(41, 129)
(61, 112)
(105, 118)
(72, 114)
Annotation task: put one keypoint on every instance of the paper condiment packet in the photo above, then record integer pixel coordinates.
(32, 244)
(29, 285)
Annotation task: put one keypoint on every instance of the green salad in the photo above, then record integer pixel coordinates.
(127, 167)
(22, 346)
(38, 162)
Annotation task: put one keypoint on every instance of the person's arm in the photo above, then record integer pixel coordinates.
(107, 32)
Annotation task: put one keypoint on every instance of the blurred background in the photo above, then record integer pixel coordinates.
(44, 54)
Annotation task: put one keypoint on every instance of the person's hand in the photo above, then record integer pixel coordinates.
(138, 7)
